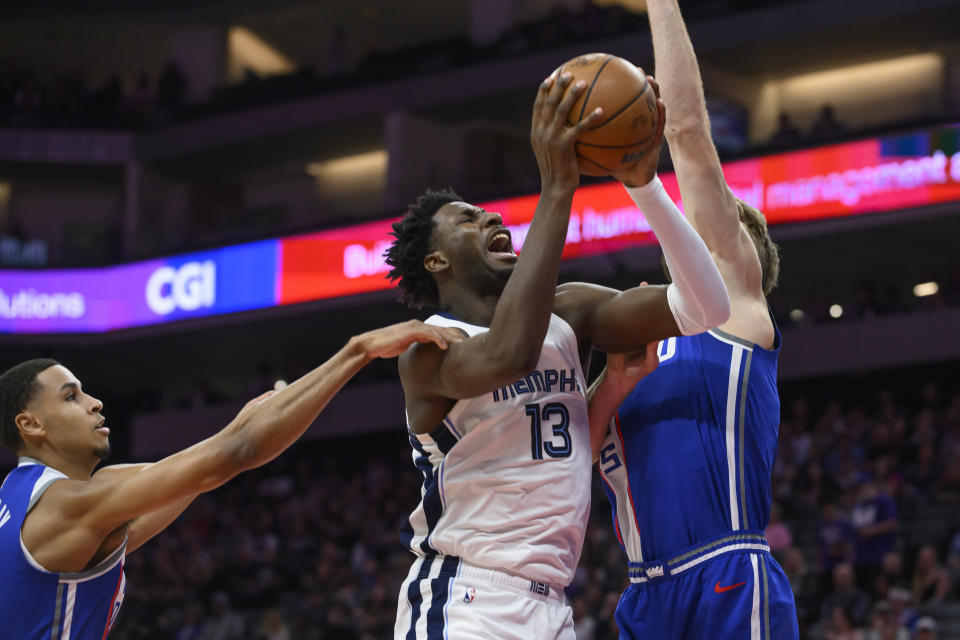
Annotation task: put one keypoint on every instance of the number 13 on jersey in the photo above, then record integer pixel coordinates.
(557, 416)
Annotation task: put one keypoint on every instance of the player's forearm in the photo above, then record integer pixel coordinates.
(148, 525)
(522, 315)
(698, 297)
(603, 398)
(261, 432)
(677, 70)
(709, 204)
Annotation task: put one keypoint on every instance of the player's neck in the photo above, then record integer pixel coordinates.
(75, 469)
(469, 307)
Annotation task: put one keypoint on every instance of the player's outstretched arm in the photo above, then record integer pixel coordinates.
(142, 528)
(79, 514)
(512, 345)
(708, 202)
(696, 300)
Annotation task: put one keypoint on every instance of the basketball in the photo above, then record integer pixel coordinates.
(629, 112)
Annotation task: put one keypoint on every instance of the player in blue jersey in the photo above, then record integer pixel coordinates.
(64, 530)
(688, 459)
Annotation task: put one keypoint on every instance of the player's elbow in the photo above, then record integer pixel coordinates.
(238, 453)
(518, 362)
(717, 311)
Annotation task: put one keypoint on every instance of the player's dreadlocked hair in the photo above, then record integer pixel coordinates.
(414, 240)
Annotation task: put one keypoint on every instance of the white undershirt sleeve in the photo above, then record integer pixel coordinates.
(697, 295)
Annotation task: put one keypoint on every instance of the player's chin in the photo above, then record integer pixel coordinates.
(102, 452)
(502, 262)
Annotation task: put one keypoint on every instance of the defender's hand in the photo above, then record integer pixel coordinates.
(391, 341)
(645, 168)
(554, 143)
(625, 370)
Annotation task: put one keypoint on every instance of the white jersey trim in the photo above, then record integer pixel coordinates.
(46, 479)
(731, 423)
(755, 611)
(730, 339)
(68, 613)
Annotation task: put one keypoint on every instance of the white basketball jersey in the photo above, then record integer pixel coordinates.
(507, 474)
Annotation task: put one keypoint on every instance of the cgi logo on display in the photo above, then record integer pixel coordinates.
(187, 288)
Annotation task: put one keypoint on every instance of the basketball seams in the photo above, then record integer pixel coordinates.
(592, 161)
(623, 108)
(638, 143)
(586, 96)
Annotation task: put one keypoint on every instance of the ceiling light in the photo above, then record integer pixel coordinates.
(926, 289)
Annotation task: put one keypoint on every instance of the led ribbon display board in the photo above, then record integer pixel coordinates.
(868, 176)
(142, 293)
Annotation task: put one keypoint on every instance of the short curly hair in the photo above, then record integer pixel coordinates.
(18, 385)
(413, 235)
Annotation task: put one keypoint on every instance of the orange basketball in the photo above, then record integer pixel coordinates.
(629, 112)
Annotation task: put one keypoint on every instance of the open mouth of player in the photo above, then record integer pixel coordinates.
(102, 430)
(500, 245)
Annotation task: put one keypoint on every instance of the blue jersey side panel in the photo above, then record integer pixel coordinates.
(698, 438)
(36, 604)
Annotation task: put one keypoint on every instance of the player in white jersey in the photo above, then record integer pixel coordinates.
(498, 423)
(64, 530)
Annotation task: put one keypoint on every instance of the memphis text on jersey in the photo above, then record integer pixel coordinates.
(539, 381)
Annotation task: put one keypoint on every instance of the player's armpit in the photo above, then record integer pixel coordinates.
(616, 321)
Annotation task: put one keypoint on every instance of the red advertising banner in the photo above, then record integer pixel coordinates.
(869, 176)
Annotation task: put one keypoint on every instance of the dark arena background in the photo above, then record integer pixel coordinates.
(194, 201)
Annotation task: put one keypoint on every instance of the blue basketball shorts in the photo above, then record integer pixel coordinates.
(736, 595)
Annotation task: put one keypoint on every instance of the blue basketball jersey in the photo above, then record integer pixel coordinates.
(36, 604)
(689, 456)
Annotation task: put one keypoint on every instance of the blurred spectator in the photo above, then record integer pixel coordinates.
(836, 537)
(931, 582)
(803, 582)
(338, 55)
(891, 575)
(926, 628)
(192, 625)
(883, 626)
(953, 555)
(584, 623)
(840, 627)
(171, 87)
(778, 532)
(787, 132)
(273, 627)
(847, 597)
(826, 124)
(223, 623)
(875, 519)
(901, 611)
(921, 475)
(141, 94)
